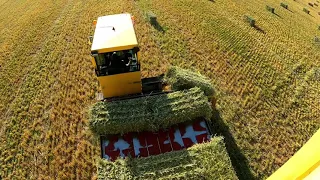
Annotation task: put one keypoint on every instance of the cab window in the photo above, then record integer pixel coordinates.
(116, 62)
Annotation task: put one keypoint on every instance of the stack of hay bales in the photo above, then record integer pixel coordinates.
(202, 161)
(189, 101)
(149, 113)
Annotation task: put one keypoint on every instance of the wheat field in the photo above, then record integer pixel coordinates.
(267, 78)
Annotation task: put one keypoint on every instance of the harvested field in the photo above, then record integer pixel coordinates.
(266, 79)
(149, 113)
(202, 161)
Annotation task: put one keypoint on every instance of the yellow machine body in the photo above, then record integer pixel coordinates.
(305, 164)
(120, 84)
(116, 33)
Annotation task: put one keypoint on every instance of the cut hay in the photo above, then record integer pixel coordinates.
(269, 8)
(180, 79)
(202, 161)
(306, 10)
(149, 113)
(284, 5)
(250, 20)
(152, 18)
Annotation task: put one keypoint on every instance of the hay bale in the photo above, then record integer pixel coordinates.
(284, 5)
(250, 20)
(269, 8)
(306, 10)
(202, 161)
(180, 79)
(310, 4)
(149, 113)
(152, 18)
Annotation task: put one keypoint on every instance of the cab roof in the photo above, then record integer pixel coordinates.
(114, 33)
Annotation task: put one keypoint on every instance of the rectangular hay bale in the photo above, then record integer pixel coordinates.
(180, 79)
(209, 160)
(284, 5)
(250, 20)
(149, 113)
(306, 10)
(152, 18)
(269, 8)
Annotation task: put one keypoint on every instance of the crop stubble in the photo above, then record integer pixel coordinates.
(266, 78)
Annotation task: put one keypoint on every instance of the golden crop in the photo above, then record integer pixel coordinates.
(267, 78)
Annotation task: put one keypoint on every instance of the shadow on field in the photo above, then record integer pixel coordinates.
(259, 29)
(238, 160)
(158, 27)
(277, 15)
(289, 10)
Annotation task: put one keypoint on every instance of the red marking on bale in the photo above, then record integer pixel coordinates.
(113, 155)
(152, 143)
(186, 141)
(197, 126)
(110, 146)
(203, 137)
(163, 138)
(175, 146)
(143, 143)
(129, 139)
